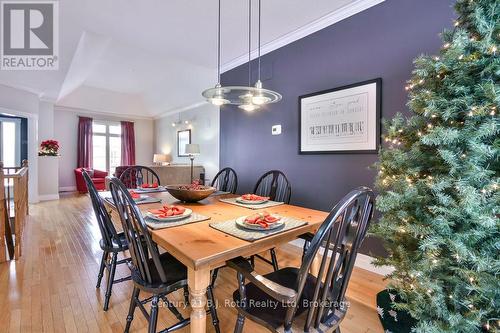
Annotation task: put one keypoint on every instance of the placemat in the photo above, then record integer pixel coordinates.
(150, 190)
(230, 227)
(153, 224)
(142, 202)
(268, 204)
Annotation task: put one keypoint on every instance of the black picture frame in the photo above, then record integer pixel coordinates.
(378, 91)
(179, 144)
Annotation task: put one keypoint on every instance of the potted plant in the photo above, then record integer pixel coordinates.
(49, 148)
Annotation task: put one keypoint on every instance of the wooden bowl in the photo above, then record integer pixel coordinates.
(189, 195)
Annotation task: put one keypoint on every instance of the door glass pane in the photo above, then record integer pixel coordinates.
(115, 153)
(98, 128)
(115, 129)
(99, 152)
(9, 143)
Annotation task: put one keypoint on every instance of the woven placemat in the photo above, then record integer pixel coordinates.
(231, 228)
(154, 224)
(150, 190)
(142, 202)
(267, 204)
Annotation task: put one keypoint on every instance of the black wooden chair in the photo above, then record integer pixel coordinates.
(297, 300)
(136, 175)
(226, 180)
(152, 272)
(275, 185)
(112, 242)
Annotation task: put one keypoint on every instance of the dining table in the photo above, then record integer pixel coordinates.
(202, 248)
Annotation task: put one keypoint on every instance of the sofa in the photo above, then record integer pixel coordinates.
(98, 178)
(168, 174)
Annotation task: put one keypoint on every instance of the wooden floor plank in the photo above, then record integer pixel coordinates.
(52, 287)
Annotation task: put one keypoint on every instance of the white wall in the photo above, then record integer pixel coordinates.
(66, 129)
(204, 125)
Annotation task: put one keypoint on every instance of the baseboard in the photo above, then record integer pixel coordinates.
(362, 261)
(47, 197)
(67, 189)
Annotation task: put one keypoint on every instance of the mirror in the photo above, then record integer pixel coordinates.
(183, 138)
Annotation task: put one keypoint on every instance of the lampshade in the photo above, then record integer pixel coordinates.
(193, 149)
(161, 158)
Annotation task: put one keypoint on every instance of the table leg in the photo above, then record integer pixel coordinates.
(198, 281)
(314, 268)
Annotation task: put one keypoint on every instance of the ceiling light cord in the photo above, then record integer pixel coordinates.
(260, 14)
(249, 42)
(218, 46)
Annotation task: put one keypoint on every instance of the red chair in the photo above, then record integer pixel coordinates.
(98, 178)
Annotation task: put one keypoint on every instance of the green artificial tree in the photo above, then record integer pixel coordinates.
(438, 179)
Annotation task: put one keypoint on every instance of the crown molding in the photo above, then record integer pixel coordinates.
(310, 28)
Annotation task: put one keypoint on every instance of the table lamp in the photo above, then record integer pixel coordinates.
(160, 159)
(192, 150)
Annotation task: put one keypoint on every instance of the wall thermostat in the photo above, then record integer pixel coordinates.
(276, 130)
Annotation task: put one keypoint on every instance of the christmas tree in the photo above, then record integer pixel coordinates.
(438, 178)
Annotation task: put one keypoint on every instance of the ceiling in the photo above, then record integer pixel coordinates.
(159, 55)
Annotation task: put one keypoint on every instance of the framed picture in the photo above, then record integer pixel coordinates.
(341, 120)
(183, 138)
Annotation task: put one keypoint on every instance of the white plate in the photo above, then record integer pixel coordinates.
(141, 198)
(241, 222)
(251, 202)
(187, 213)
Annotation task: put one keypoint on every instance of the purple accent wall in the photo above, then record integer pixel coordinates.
(379, 42)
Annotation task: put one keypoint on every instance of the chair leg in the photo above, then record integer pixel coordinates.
(212, 306)
(153, 317)
(274, 259)
(239, 324)
(133, 305)
(101, 269)
(252, 261)
(111, 278)
(215, 272)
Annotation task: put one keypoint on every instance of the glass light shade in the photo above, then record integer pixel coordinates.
(218, 100)
(260, 99)
(239, 95)
(193, 149)
(248, 107)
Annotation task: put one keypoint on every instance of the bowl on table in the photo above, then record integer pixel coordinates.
(183, 192)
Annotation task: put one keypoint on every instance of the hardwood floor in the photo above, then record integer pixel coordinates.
(52, 287)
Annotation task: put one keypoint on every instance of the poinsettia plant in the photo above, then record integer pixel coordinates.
(49, 148)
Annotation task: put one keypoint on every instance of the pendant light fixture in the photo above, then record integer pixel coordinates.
(216, 95)
(248, 98)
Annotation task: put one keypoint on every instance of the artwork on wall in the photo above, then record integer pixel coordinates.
(183, 139)
(341, 120)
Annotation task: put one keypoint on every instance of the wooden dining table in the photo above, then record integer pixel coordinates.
(202, 248)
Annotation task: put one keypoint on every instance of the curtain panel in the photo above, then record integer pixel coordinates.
(84, 153)
(128, 143)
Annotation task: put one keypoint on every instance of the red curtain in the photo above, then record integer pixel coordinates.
(84, 142)
(128, 143)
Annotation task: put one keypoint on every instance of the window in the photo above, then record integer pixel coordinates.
(107, 146)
